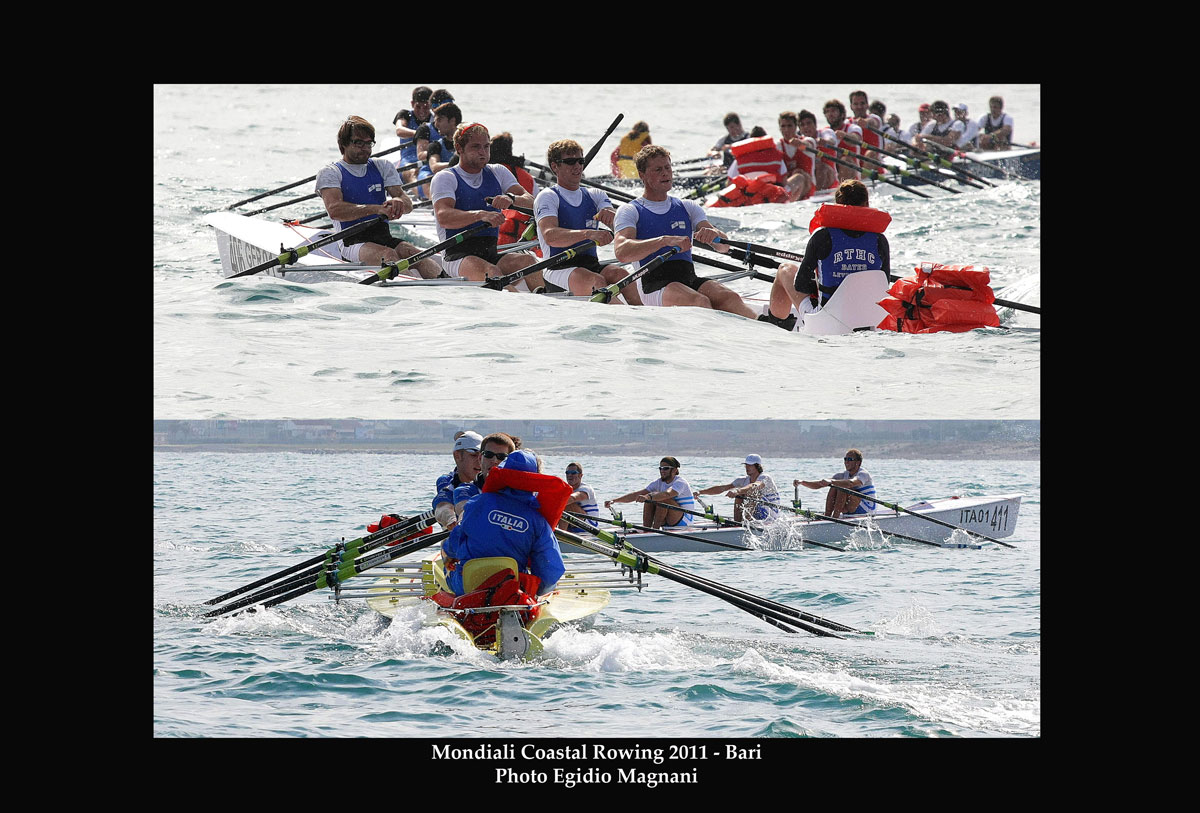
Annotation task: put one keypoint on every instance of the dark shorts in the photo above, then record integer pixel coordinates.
(481, 247)
(672, 271)
(379, 234)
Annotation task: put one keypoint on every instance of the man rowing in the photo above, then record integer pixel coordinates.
(997, 126)
(847, 134)
(583, 497)
(733, 134)
(656, 222)
(839, 503)
(756, 488)
(435, 144)
(357, 188)
(660, 495)
(832, 254)
(800, 181)
(865, 118)
(941, 129)
(510, 518)
(407, 122)
(824, 171)
(568, 215)
(969, 139)
(460, 197)
(466, 453)
(494, 450)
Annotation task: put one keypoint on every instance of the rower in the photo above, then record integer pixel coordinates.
(997, 126)
(832, 254)
(656, 222)
(970, 137)
(824, 171)
(407, 122)
(848, 136)
(567, 216)
(583, 497)
(733, 134)
(840, 503)
(909, 136)
(660, 495)
(866, 118)
(460, 196)
(435, 144)
(756, 487)
(800, 182)
(510, 520)
(359, 187)
(467, 465)
(941, 130)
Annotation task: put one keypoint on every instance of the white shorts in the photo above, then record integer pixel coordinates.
(350, 253)
(559, 276)
(649, 299)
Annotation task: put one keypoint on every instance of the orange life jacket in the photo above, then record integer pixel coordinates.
(850, 218)
(515, 222)
(752, 189)
(949, 298)
(498, 590)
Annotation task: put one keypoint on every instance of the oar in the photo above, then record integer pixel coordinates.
(389, 270)
(898, 170)
(868, 173)
(933, 156)
(498, 283)
(311, 178)
(916, 163)
(338, 572)
(621, 543)
(713, 516)
(310, 567)
(620, 194)
(758, 248)
(606, 294)
(641, 562)
(290, 256)
(303, 198)
(587, 159)
(630, 526)
(804, 512)
(896, 507)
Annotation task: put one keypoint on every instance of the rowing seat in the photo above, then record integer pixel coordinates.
(477, 571)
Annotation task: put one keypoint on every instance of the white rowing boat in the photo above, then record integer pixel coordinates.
(505, 630)
(991, 516)
(997, 164)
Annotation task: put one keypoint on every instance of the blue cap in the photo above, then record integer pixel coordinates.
(520, 460)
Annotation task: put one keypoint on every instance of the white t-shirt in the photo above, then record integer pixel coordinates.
(683, 493)
(547, 201)
(445, 184)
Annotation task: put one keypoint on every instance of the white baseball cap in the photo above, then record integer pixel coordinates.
(753, 458)
(469, 441)
(961, 106)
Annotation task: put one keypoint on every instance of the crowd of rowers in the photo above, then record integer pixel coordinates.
(474, 197)
(496, 501)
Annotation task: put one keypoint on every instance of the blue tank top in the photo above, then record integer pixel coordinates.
(365, 190)
(575, 217)
(848, 255)
(675, 221)
(467, 198)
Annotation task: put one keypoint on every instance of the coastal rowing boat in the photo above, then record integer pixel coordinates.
(1020, 163)
(506, 630)
(992, 516)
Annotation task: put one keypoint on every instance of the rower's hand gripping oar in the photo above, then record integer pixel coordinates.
(866, 173)
(896, 507)
(389, 270)
(289, 256)
(606, 294)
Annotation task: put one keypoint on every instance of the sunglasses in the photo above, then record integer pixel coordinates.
(665, 468)
(850, 459)
(573, 472)
(578, 160)
(358, 142)
(489, 454)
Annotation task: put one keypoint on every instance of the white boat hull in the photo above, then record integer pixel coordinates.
(992, 516)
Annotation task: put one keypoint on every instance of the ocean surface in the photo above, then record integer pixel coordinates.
(956, 650)
(260, 347)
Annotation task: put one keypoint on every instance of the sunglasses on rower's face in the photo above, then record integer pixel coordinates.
(665, 468)
(572, 472)
(578, 160)
(358, 142)
(489, 454)
(850, 459)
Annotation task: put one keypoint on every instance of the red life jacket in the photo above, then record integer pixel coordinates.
(850, 218)
(757, 155)
(926, 302)
(514, 221)
(750, 190)
(552, 493)
(502, 588)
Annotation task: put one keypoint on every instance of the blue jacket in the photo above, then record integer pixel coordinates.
(506, 523)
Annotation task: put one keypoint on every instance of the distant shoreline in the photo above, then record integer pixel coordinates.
(914, 450)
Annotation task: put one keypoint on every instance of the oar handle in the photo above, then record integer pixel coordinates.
(497, 283)
(606, 294)
(389, 270)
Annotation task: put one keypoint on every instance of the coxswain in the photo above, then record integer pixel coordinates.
(831, 255)
(357, 188)
(513, 517)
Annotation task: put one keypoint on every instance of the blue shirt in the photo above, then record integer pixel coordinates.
(505, 523)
